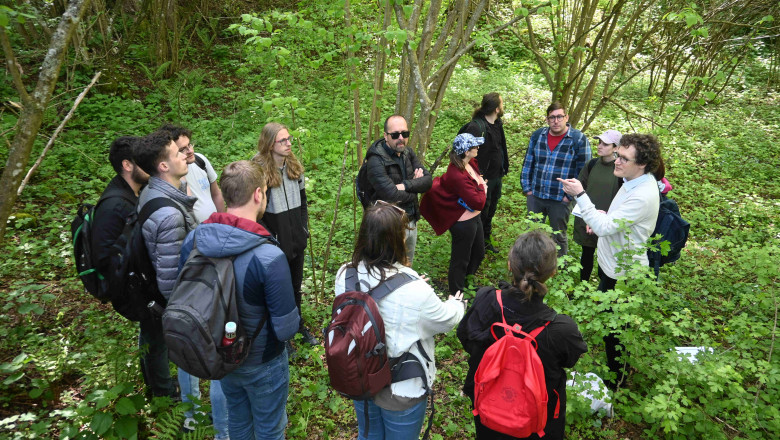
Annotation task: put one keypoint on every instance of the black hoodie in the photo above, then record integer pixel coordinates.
(560, 344)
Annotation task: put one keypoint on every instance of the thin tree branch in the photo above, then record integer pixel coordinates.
(13, 67)
(56, 133)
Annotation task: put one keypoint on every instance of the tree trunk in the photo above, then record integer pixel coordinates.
(33, 105)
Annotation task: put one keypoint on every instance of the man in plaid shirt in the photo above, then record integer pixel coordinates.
(555, 151)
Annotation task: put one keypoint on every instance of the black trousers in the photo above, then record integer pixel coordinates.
(468, 251)
(612, 346)
(296, 273)
(586, 261)
(491, 203)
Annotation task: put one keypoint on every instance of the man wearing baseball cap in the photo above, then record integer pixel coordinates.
(601, 185)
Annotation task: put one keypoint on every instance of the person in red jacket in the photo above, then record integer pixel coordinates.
(454, 203)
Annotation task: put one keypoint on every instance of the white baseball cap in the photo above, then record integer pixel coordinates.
(610, 137)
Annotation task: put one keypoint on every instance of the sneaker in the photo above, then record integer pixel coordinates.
(307, 336)
(489, 247)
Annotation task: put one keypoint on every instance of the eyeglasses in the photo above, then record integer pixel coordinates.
(621, 158)
(396, 207)
(556, 118)
(285, 140)
(395, 134)
(186, 147)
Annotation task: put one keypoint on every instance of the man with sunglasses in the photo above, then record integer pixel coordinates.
(556, 151)
(397, 175)
(201, 178)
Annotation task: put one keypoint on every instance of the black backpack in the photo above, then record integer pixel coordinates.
(363, 188)
(673, 228)
(202, 302)
(481, 123)
(94, 282)
(133, 284)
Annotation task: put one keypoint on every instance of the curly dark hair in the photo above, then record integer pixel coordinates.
(648, 152)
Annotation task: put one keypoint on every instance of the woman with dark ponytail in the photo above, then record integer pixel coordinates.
(532, 261)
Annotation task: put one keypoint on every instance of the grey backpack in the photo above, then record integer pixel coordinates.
(203, 300)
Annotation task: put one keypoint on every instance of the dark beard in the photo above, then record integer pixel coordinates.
(139, 176)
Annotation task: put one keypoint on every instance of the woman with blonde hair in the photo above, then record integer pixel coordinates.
(286, 215)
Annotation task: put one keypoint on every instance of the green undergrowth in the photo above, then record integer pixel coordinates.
(69, 366)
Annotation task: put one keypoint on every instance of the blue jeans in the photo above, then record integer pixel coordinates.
(257, 399)
(389, 425)
(219, 412)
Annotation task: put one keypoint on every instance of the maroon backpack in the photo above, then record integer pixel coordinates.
(355, 348)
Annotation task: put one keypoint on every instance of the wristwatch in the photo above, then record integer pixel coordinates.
(580, 195)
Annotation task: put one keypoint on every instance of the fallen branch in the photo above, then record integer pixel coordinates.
(56, 133)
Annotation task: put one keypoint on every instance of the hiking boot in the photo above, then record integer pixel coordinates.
(307, 336)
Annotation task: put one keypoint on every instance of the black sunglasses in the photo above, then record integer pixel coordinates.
(395, 134)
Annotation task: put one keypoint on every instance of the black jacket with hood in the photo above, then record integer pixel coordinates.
(560, 344)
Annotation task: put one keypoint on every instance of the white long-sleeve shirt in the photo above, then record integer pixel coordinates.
(412, 312)
(637, 202)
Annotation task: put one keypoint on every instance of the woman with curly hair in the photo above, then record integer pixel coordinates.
(638, 161)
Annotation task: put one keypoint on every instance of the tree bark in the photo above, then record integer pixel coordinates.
(33, 104)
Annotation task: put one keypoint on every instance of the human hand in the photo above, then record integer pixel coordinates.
(566, 199)
(528, 193)
(418, 173)
(401, 187)
(571, 187)
(588, 230)
(459, 297)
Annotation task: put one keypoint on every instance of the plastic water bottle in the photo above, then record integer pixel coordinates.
(230, 334)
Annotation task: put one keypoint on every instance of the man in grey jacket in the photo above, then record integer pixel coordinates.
(163, 233)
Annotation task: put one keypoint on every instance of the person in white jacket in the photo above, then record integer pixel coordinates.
(639, 162)
(411, 313)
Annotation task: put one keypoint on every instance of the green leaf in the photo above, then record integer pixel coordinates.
(101, 422)
(408, 9)
(127, 426)
(29, 307)
(12, 378)
(35, 393)
(125, 406)
(273, 84)
(522, 11)
(3, 18)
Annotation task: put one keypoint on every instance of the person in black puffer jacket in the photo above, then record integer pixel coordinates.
(532, 261)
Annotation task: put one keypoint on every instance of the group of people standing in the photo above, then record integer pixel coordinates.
(619, 186)
(257, 214)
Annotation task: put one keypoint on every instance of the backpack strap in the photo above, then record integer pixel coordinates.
(408, 366)
(160, 202)
(200, 162)
(115, 192)
(389, 285)
(591, 164)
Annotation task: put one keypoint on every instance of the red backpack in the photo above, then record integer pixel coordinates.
(510, 395)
